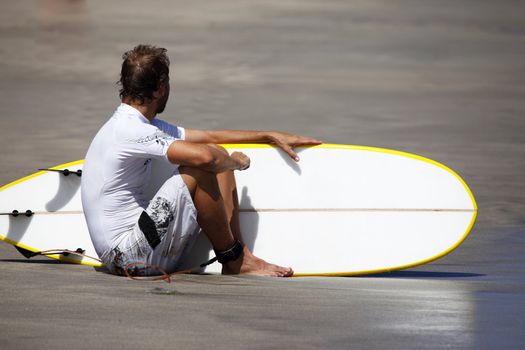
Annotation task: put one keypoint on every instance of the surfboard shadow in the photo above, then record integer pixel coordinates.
(423, 274)
(18, 226)
(67, 188)
(33, 261)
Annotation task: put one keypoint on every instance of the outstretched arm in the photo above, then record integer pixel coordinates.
(285, 141)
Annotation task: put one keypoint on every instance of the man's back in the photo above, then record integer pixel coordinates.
(116, 172)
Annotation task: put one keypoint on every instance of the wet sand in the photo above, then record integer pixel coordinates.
(445, 80)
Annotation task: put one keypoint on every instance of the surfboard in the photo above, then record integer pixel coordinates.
(342, 210)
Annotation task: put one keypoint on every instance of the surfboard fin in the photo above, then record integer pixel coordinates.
(65, 172)
(27, 253)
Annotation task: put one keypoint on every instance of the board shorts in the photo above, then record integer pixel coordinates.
(164, 233)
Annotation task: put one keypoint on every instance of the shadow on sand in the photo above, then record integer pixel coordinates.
(34, 261)
(424, 274)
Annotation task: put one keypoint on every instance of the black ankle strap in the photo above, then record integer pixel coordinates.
(230, 254)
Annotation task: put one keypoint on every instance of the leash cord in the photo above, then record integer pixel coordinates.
(164, 276)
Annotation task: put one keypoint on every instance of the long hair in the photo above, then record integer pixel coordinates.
(144, 70)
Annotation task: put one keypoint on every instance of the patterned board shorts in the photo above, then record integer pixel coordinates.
(163, 235)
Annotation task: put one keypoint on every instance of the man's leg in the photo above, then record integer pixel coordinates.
(219, 218)
(228, 188)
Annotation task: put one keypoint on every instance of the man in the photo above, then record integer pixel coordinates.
(126, 228)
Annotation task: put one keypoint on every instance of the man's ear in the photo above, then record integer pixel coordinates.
(161, 91)
(157, 93)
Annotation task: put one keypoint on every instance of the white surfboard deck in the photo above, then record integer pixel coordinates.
(342, 210)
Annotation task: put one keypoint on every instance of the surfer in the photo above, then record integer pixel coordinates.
(128, 229)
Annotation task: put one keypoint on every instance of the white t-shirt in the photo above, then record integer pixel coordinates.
(117, 170)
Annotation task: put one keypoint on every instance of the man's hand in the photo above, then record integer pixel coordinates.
(287, 142)
(237, 160)
(241, 159)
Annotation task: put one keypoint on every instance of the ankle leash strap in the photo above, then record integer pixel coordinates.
(230, 254)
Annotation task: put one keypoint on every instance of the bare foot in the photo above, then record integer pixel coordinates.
(249, 264)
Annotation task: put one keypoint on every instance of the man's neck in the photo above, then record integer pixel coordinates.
(148, 110)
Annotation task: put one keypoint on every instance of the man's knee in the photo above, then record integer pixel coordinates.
(219, 148)
(198, 180)
(194, 173)
(195, 177)
(190, 177)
